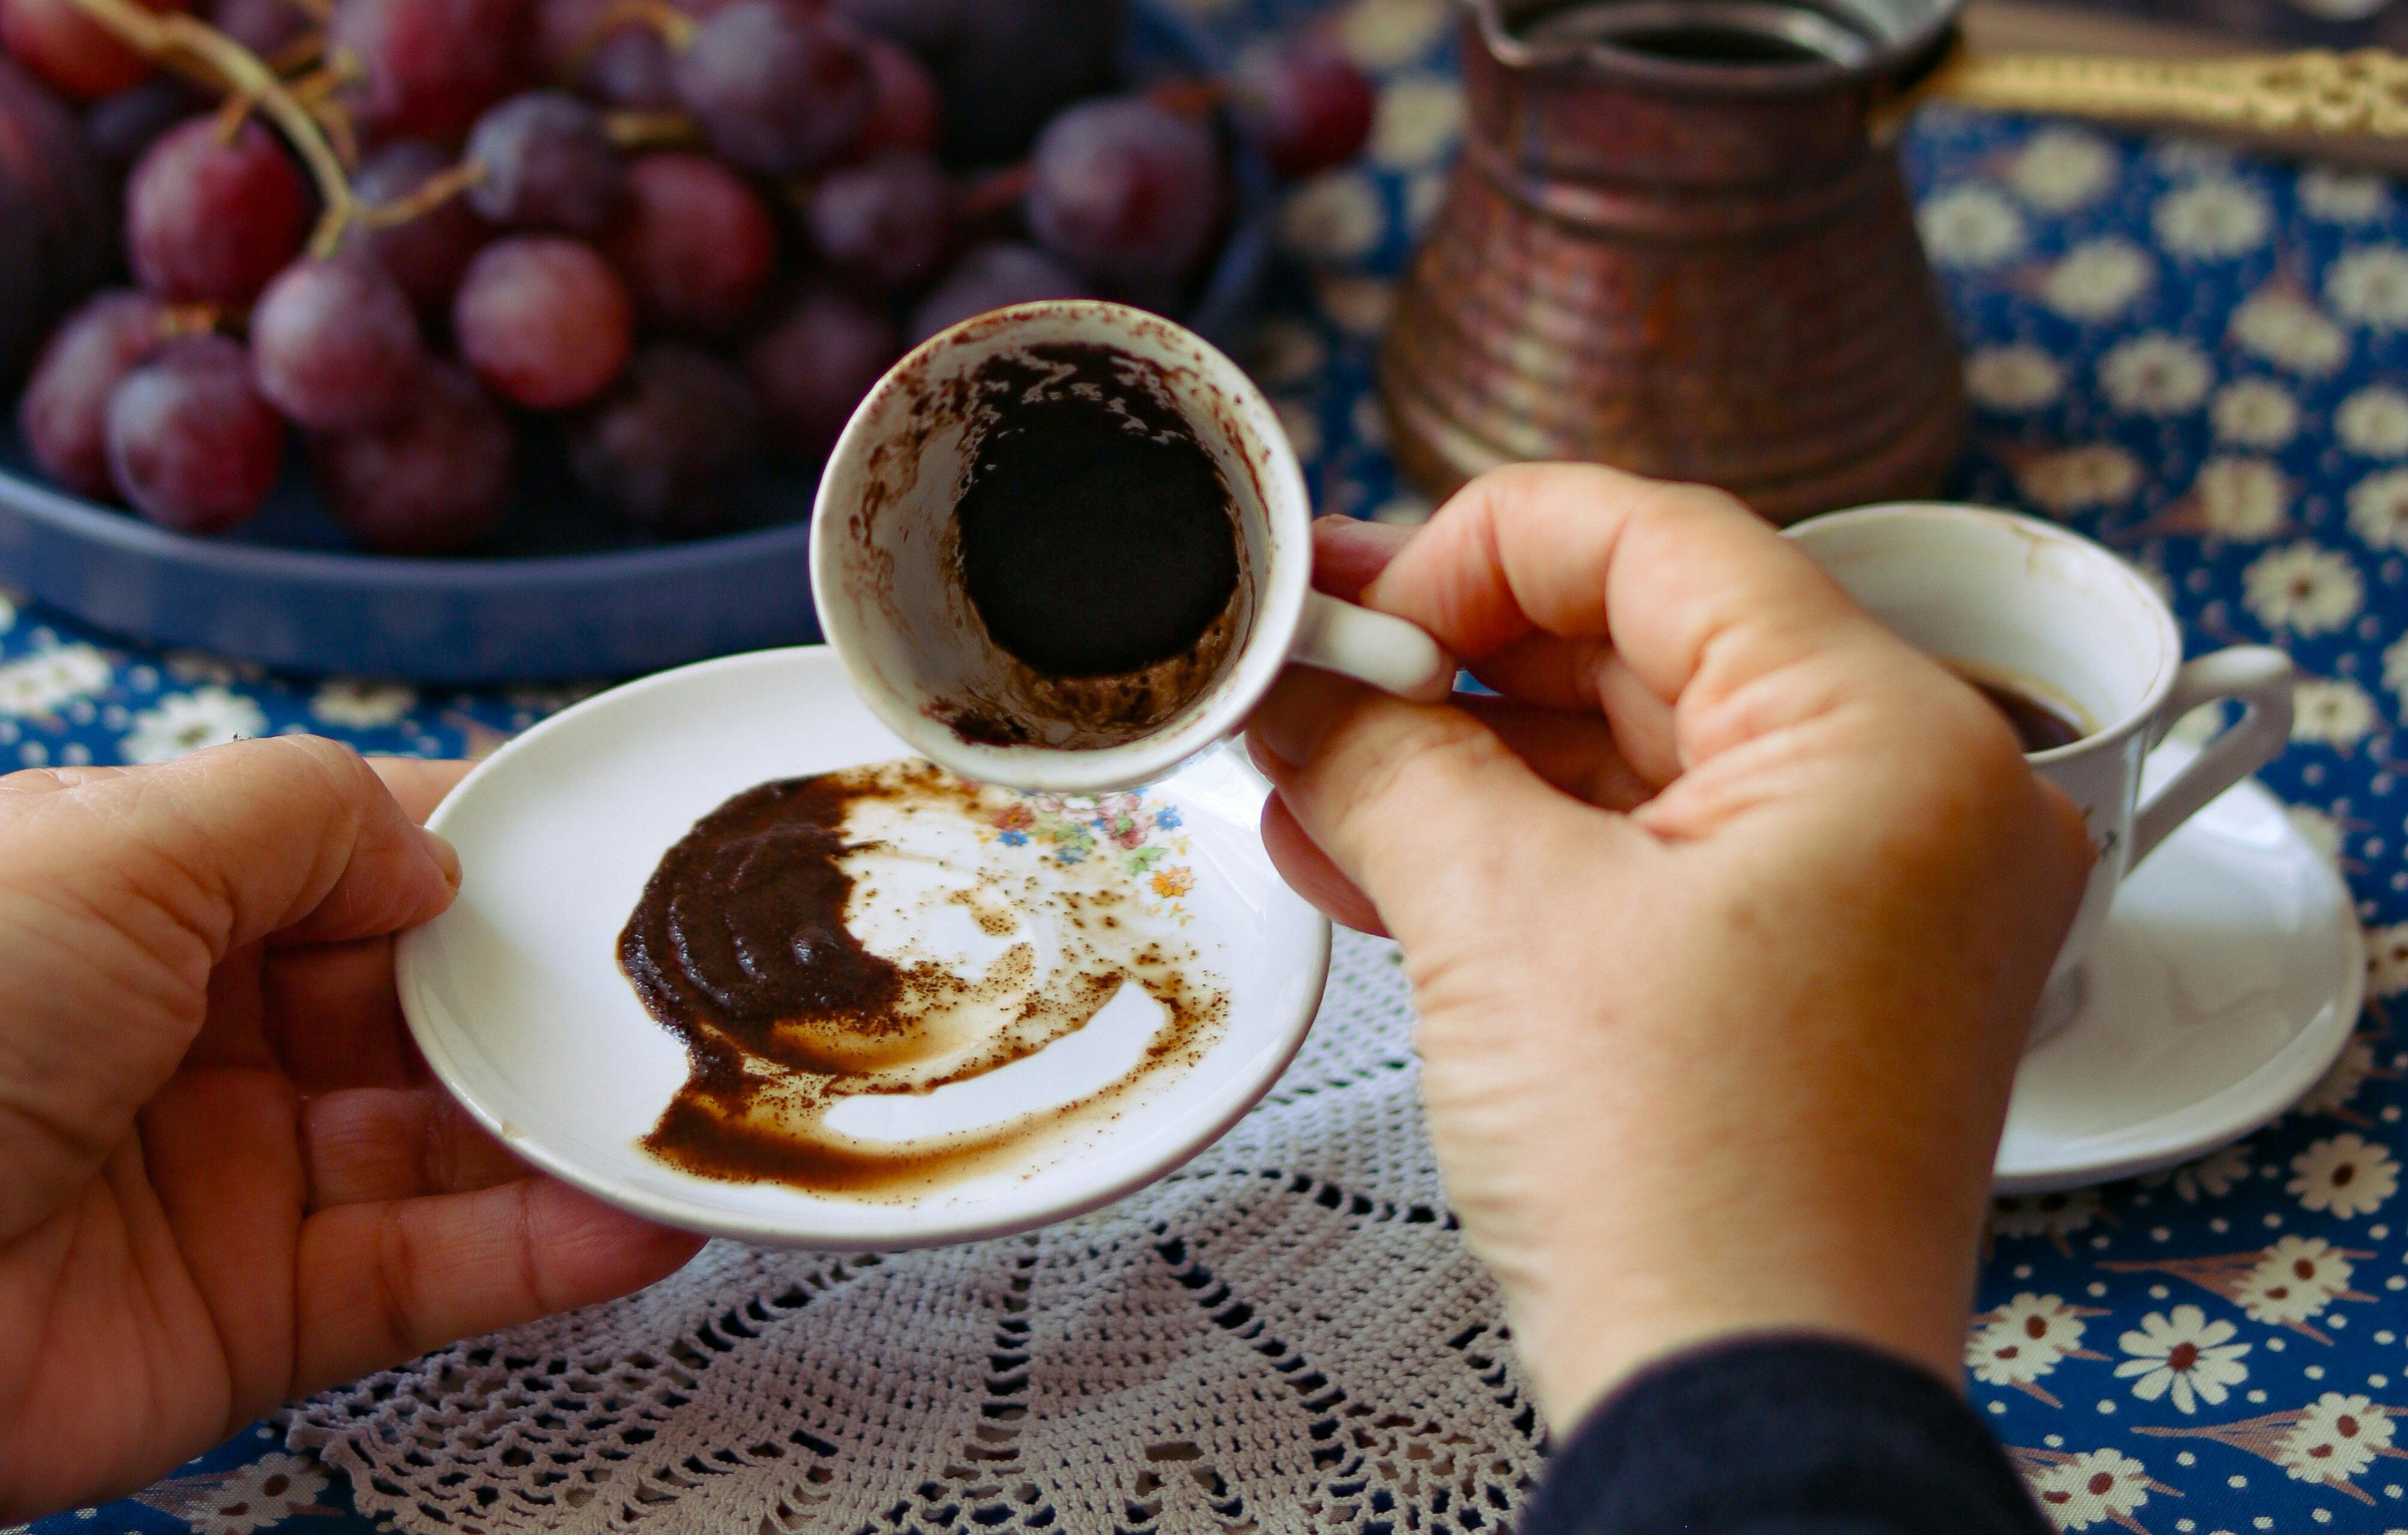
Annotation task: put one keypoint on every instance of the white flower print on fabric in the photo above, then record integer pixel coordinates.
(2056, 1216)
(2334, 712)
(2331, 1441)
(1418, 121)
(1359, 306)
(2156, 374)
(2255, 413)
(243, 1500)
(187, 721)
(2025, 1340)
(2286, 1286)
(1370, 422)
(361, 705)
(2199, 727)
(2342, 196)
(42, 683)
(1286, 352)
(2369, 286)
(2387, 955)
(2183, 1353)
(2335, 1090)
(2318, 830)
(1303, 428)
(2095, 1488)
(2378, 509)
(2061, 168)
(2240, 497)
(2337, 1438)
(2345, 1177)
(1425, 194)
(2296, 1279)
(1971, 226)
(2097, 280)
(191, 667)
(2277, 324)
(2303, 588)
(2395, 667)
(2013, 378)
(2373, 422)
(2154, 578)
(2211, 218)
(2213, 1176)
(2182, 156)
(1334, 216)
(2099, 475)
(1385, 34)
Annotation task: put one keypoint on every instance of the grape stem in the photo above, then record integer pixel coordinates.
(200, 51)
(997, 189)
(676, 28)
(300, 53)
(1189, 98)
(425, 198)
(316, 93)
(651, 130)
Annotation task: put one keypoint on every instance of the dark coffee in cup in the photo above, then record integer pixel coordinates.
(1096, 536)
(2040, 727)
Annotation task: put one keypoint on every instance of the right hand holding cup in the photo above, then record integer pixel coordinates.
(1724, 923)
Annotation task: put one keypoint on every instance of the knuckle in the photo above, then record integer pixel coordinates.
(1426, 761)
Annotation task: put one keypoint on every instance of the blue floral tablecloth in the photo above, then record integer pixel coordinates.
(2200, 359)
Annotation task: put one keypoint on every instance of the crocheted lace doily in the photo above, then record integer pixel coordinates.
(1286, 1334)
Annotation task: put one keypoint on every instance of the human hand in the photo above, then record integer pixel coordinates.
(1724, 925)
(223, 1180)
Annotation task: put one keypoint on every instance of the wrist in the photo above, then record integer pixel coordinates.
(1581, 1330)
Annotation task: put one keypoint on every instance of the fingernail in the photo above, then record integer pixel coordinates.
(446, 856)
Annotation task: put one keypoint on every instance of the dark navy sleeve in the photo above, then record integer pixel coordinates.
(1783, 1435)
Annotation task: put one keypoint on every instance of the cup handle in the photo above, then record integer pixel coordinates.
(2260, 677)
(1381, 649)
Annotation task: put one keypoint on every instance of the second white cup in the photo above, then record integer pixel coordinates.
(2059, 618)
(887, 565)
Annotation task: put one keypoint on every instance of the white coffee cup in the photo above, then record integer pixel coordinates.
(885, 569)
(2028, 605)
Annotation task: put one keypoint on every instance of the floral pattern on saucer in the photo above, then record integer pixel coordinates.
(1143, 838)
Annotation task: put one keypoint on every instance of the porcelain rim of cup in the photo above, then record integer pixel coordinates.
(2140, 716)
(1282, 583)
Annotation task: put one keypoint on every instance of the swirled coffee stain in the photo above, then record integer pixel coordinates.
(743, 946)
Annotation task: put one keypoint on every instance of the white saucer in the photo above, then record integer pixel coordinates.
(2228, 979)
(516, 997)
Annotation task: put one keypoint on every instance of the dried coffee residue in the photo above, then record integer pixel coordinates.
(1096, 544)
(742, 947)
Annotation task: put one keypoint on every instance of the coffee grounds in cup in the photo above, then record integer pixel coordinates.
(1098, 537)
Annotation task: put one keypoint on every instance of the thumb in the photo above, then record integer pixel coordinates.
(294, 837)
(121, 891)
(1422, 806)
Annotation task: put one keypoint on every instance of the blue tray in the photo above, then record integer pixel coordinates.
(563, 596)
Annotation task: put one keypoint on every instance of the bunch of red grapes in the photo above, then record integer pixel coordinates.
(692, 234)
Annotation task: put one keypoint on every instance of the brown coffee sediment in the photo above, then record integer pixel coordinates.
(1093, 541)
(739, 946)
